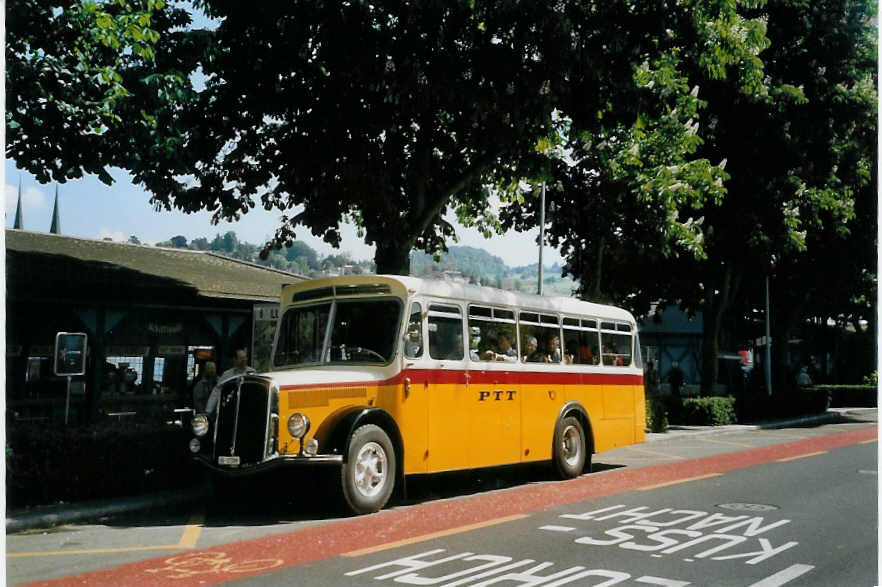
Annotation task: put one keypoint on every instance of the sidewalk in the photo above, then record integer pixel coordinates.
(53, 515)
(830, 416)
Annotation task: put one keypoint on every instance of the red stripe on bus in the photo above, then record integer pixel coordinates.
(482, 376)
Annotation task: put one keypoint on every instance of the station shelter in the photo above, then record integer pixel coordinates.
(153, 316)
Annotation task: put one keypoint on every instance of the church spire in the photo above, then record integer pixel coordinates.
(18, 216)
(56, 216)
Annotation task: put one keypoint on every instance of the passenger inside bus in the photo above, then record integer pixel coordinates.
(532, 354)
(503, 350)
(553, 354)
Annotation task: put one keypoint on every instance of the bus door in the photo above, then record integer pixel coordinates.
(494, 388)
(448, 406)
(411, 413)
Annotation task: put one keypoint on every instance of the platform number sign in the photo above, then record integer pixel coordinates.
(70, 353)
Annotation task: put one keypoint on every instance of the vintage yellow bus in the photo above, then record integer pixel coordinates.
(387, 376)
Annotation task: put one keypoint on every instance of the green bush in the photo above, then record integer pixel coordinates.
(656, 414)
(850, 396)
(47, 464)
(708, 411)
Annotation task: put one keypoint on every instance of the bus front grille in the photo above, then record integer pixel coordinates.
(242, 417)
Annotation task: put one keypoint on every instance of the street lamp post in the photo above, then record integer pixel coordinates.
(541, 234)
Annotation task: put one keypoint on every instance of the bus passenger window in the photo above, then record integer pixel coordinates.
(616, 349)
(445, 333)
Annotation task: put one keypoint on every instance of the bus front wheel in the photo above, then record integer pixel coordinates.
(368, 475)
(570, 449)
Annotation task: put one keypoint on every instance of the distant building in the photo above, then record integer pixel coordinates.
(152, 315)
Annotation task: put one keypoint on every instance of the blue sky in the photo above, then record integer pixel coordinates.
(93, 210)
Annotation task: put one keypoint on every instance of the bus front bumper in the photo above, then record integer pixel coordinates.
(268, 464)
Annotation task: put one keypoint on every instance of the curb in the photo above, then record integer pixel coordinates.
(49, 516)
(830, 416)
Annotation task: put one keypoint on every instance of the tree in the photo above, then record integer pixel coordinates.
(798, 153)
(389, 114)
(178, 242)
(84, 84)
(300, 250)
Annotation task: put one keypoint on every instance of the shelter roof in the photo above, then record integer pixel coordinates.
(208, 273)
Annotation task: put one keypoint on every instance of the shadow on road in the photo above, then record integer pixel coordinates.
(297, 496)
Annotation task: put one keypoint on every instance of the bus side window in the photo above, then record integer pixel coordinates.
(413, 342)
(616, 347)
(445, 333)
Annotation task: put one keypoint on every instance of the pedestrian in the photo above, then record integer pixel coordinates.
(240, 367)
(202, 389)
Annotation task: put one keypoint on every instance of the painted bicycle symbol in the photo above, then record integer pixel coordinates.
(203, 563)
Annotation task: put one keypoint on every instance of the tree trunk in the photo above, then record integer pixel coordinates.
(393, 258)
(715, 306)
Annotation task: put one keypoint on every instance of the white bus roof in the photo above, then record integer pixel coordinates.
(404, 286)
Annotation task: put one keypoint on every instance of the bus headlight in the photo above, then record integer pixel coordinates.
(200, 425)
(298, 425)
(195, 445)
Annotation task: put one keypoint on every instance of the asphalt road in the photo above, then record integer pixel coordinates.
(760, 507)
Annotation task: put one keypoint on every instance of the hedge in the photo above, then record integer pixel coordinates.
(708, 411)
(48, 464)
(656, 414)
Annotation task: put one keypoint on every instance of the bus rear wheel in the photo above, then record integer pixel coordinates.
(368, 475)
(570, 449)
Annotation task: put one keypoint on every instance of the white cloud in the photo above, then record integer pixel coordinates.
(31, 198)
(117, 236)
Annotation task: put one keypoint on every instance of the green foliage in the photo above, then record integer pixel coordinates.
(77, 95)
(656, 414)
(872, 379)
(707, 411)
(47, 464)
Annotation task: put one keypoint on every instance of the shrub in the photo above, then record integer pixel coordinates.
(46, 464)
(708, 411)
(656, 415)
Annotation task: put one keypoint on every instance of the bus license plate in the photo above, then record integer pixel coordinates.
(222, 460)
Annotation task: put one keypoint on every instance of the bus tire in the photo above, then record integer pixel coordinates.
(570, 449)
(368, 474)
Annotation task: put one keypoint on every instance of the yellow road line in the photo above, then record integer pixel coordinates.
(192, 531)
(715, 441)
(653, 453)
(678, 481)
(810, 454)
(188, 540)
(91, 551)
(433, 535)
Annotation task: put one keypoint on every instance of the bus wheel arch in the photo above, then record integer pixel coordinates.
(573, 441)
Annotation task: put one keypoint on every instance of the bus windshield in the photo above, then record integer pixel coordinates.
(344, 331)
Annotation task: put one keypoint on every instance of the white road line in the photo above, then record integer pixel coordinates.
(785, 576)
(553, 528)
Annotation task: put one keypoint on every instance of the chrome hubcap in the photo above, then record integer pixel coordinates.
(371, 468)
(571, 445)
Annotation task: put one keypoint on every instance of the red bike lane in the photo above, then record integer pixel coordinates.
(238, 560)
